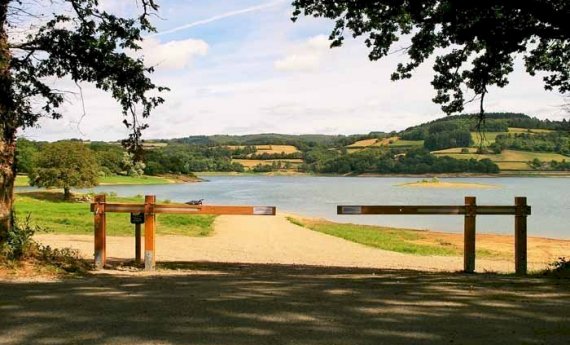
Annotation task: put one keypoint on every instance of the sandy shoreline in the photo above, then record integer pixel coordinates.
(274, 240)
(448, 185)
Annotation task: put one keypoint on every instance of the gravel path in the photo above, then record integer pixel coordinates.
(272, 240)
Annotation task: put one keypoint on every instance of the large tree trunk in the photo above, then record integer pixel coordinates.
(7, 178)
(7, 129)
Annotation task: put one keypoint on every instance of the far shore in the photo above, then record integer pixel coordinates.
(443, 175)
(448, 185)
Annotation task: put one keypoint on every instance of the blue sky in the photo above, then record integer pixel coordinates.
(242, 66)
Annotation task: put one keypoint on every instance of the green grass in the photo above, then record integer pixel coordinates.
(392, 239)
(118, 179)
(407, 143)
(509, 159)
(22, 180)
(489, 138)
(529, 131)
(295, 221)
(456, 150)
(55, 215)
(396, 240)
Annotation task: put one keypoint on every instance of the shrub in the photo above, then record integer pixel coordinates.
(19, 242)
(20, 246)
(558, 269)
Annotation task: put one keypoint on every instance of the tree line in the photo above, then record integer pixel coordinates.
(415, 161)
(557, 142)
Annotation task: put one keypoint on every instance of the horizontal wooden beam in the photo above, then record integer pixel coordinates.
(187, 209)
(431, 210)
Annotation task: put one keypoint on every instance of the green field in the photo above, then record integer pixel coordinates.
(22, 180)
(455, 150)
(49, 211)
(531, 131)
(508, 159)
(488, 138)
(407, 143)
(118, 179)
(392, 239)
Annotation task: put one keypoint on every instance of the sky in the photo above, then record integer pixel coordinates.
(242, 67)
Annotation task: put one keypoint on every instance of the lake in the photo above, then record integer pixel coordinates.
(318, 196)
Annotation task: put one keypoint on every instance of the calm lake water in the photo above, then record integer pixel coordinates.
(318, 196)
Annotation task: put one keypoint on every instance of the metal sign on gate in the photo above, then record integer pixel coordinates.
(137, 218)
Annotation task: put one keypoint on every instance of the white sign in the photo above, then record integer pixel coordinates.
(263, 210)
(351, 210)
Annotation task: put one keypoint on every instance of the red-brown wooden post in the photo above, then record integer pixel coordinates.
(521, 235)
(149, 228)
(100, 232)
(469, 234)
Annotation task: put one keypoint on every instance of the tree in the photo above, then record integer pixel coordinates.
(130, 166)
(26, 153)
(65, 164)
(475, 42)
(82, 43)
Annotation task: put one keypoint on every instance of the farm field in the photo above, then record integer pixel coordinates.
(270, 149)
(525, 130)
(153, 145)
(488, 138)
(363, 143)
(406, 143)
(373, 142)
(455, 150)
(250, 163)
(508, 159)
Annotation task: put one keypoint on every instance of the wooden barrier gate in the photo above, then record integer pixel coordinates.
(100, 207)
(520, 210)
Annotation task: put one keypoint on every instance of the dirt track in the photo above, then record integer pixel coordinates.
(259, 304)
(273, 300)
(273, 240)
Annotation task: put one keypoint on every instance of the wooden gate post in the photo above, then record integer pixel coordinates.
(469, 234)
(149, 228)
(100, 232)
(521, 235)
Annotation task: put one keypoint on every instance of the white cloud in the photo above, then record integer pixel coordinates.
(305, 57)
(319, 42)
(241, 87)
(301, 62)
(172, 54)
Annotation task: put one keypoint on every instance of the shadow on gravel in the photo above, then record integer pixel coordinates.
(209, 303)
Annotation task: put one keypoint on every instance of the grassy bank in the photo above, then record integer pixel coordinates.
(23, 181)
(49, 211)
(144, 180)
(392, 239)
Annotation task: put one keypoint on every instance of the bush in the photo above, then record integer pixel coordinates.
(20, 246)
(559, 268)
(66, 259)
(19, 240)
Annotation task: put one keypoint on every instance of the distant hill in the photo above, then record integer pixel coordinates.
(451, 144)
(260, 139)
